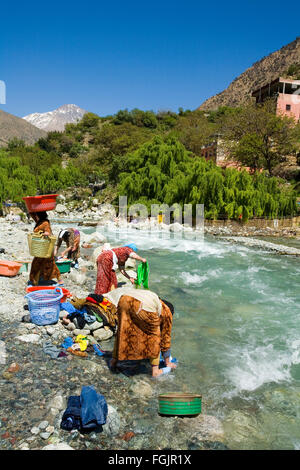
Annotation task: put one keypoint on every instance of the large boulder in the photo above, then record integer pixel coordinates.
(92, 238)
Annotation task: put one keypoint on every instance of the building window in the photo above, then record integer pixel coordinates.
(288, 107)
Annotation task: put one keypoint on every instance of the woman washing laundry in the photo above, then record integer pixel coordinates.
(109, 261)
(144, 328)
(71, 237)
(44, 268)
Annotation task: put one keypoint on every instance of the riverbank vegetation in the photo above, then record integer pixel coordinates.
(156, 157)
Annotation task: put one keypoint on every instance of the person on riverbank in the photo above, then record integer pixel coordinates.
(107, 263)
(71, 237)
(43, 268)
(144, 328)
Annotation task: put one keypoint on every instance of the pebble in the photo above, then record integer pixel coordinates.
(113, 422)
(102, 334)
(31, 338)
(35, 430)
(45, 435)
(58, 446)
(50, 330)
(43, 425)
(95, 326)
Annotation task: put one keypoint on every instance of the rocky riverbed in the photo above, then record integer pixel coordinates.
(34, 388)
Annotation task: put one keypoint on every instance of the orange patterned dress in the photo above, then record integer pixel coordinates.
(141, 334)
(43, 267)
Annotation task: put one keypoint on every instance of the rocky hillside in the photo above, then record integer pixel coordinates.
(263, 71)
(57, 119)
(12, 126)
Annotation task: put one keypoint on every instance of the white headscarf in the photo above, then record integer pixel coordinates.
(62, 233)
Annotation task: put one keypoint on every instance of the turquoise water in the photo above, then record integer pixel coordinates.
(235, 333)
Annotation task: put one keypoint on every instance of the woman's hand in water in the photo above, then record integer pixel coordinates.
(170, 364)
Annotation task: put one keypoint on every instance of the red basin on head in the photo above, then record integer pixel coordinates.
(46, 202)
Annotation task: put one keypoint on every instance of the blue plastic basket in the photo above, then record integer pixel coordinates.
(44, 306)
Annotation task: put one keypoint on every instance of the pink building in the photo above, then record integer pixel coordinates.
(287, 94)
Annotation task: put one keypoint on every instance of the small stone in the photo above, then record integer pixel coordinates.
(83, 332)
(113, 422)
(58, 446)
(142, 389)
(71, 326)
(57, 403)
(7, 375)
(45, 435)
(102, 334)
(91, 339)
(50, 330)
(31, 338)
(50, 429)
(95, 326)
(127, 436)
(35, 430)
(14, 367)
(43, 425)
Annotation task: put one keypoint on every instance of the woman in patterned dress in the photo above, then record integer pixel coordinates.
(43, 267)
(143, 334)
(71, 237)
(107, 263)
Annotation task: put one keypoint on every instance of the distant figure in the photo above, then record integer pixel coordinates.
(71, 237)
(109, 261)
(43, 267)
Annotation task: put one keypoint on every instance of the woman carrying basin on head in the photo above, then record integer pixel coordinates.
(44, 268)
(109, 261)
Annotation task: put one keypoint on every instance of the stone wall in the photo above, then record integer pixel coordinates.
(292, 222)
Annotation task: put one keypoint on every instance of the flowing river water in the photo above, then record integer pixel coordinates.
(235, 332)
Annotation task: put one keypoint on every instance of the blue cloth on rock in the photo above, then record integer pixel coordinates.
(93, 408)
(71, 418)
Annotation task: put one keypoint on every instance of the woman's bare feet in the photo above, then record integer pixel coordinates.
(66, 320)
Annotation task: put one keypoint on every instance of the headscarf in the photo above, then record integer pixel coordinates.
(62, 233)
(132, 246)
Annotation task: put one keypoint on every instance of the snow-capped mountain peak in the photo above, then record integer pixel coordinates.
(57, 119)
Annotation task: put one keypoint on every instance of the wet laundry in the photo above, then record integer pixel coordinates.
(87, 412)
(52, 351)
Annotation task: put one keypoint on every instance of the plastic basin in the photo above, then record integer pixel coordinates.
(180, 404)
(46, 202)
(37, 288)
(64, 266)
(9, 268)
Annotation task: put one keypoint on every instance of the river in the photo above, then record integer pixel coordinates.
(235, 332)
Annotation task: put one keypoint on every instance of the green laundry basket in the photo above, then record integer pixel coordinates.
(64, 266)
(180, 404)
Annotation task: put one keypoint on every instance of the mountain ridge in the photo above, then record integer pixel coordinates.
(14, 127)
(261, 72)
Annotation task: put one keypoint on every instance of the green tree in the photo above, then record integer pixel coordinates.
(257, 137)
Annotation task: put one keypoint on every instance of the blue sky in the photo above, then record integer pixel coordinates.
(106, 56)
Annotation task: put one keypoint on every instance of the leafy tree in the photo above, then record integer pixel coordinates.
(257, 137)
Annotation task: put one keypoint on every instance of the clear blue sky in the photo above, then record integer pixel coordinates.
(106, 56)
